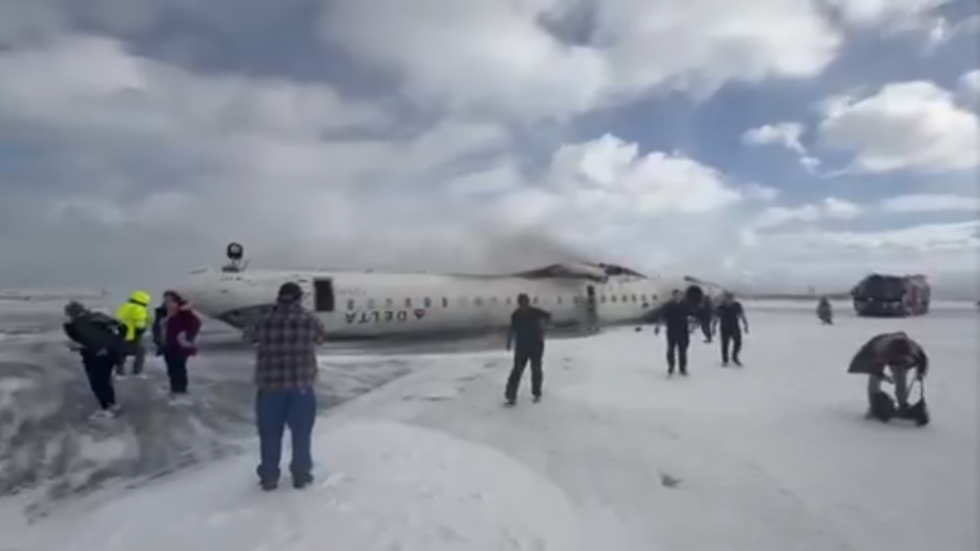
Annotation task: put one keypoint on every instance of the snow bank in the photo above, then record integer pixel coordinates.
(401, 487)
(774, 456)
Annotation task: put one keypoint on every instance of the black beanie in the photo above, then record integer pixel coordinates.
(290, 292)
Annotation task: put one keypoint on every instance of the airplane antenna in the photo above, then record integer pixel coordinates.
(236, 258)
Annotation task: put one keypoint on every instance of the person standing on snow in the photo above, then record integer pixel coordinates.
(285, 376)
(894, 352)
(705, 317)
(526, 335)
(99, 340)
(731, 320)
(675, 314)
(825, 312)
(134, 316)
(179, 331)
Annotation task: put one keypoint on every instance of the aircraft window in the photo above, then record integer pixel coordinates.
(371, 304)
(625, 298)
(493, 300)
(612, 298)
(577, 299)
(558, 300)
(408, 303)
(351, 304)
(445, 302)
(478, 301)
(427, 302)
(534, 300)
(633, 297)
(508, 300)
(389, 303)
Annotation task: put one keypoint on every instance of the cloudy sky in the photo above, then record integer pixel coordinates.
(809, 141)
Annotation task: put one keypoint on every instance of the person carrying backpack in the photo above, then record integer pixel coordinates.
(100, 341)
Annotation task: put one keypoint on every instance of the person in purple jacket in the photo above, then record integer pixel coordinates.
(179, 331)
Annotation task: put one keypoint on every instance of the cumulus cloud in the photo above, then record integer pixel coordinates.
(404, 141)
(970, 83)
(784, 134)
(909, 125)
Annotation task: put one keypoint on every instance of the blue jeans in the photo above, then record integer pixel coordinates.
(274, 411)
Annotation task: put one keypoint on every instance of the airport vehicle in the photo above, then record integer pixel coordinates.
(880, 295)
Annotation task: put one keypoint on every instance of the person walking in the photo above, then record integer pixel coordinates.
(99, 340)
(731, 320)
(285, 378)
(526, 336)
(675, 315)
(179, 332)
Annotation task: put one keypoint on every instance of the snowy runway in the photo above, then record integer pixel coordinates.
(774, 456)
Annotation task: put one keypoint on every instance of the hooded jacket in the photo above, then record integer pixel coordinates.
(134, 315)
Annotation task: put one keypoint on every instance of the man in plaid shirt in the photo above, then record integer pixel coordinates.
(285, 377)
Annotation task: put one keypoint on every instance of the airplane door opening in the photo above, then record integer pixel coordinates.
(323, 297)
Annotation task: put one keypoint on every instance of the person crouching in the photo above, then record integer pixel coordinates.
(180, 329)
(894, 352)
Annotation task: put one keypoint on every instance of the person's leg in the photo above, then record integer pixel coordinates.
(537, 372)
(270, 419)
(301, 417)
(726, 343)
(120, 361)
(706, 328)
(901, 387)
(671, 352)
(170, 361)
(682, 347)
(874, 387)
(179, 382)
(736, 346)
(139, 357)
(93, 372)
(521, 357)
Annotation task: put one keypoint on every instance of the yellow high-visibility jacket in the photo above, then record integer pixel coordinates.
(134, 315)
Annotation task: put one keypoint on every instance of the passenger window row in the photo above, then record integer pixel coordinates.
(389, 303)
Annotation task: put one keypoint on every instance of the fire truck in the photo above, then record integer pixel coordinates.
(880, 295)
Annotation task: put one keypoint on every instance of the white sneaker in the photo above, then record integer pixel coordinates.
(180, 400)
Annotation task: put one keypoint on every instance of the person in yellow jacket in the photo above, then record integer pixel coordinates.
(134, 315)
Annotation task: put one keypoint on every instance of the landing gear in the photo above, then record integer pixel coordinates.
(235, 252)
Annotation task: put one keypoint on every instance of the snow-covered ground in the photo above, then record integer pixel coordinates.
(775, 456)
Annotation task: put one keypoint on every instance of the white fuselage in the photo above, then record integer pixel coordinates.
(353, 305)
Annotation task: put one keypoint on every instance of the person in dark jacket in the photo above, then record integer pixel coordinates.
(156, 329)
(100, 340)
(730, 318)
(825, 312)
(675, 314)
(705, 316)
(180, 329)
(526, 334)
(286, 372)
(896, 353)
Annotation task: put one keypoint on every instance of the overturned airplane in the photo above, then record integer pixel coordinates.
(373, 304)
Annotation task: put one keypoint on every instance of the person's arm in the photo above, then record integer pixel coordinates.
(922, 363)
(510, 330)
(191, 326)
(741, 316)
(319, 330)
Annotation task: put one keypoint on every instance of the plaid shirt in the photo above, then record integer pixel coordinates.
(286, 341)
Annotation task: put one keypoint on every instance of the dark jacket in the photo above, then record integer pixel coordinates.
(676, 316)
(871, 359)
(159, 316)
(180, 331)
(96, 333)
